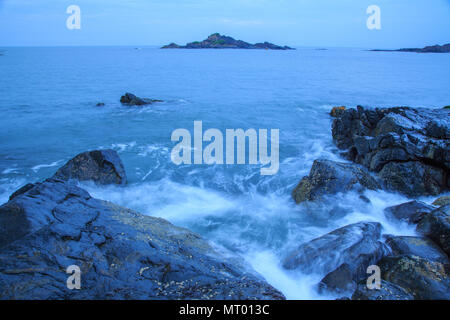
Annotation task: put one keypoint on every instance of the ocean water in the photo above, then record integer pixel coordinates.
(49, 114)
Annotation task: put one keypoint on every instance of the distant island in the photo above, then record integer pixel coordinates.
(430, 49)
(218, 41)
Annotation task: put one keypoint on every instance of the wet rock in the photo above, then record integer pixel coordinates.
(411, 212)
(130, 99)
(388, 291)
(436, 226)
(328, 177)
(339, 281)
(422, 278)
(101, 166)
(417, 246)
(357, 245)
(100, 104)
(337, 111)
(442, 201)
(121, 253)
(409, 148)
(23, 189)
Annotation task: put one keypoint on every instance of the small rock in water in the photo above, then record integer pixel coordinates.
(130, 99)
(411, 212)
(100, 104)
(101, 166)
(417, 246)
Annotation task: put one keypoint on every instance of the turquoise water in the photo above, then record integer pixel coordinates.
(49, 114)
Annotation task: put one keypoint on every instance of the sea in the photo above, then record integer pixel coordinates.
(49, 114)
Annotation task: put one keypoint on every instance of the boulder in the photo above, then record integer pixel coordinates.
(441, 201)
(357, 245)
(409, 148)
(329, 177)
(388, 291)
(420, 277)
(436, 226)
(411, 212)
(121, 253)
(339, 281)
(130, 99)
(417, 246)
(101, 166)
(337, 111)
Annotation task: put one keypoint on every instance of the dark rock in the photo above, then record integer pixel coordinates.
(336, 112)
(441, 201)
(329, 177)
(422, 278)
(411, 212)
(388, 291)
(436, 226)
(22, 190)
(130, 99)
(100, 104)
(218, 41)
(339, 281)
(357, 245)
(121, 253)
(100, 166)
(417, 246)
(409, 148)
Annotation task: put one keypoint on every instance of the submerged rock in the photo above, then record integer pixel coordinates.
(329, 177)
(101, 166)
(388, 291)
(409, 148)
(411, 212)
(417, 246)
(121, 253)
(442, 201)
(130, 99)
(357, 245)
(422, 278)
(436, 226)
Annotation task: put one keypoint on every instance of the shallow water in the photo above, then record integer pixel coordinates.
(49, 114)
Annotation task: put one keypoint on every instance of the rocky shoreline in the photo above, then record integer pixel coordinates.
(46, 227)
(402, 150)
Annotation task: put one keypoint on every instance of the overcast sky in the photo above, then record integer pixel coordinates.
(332, 23)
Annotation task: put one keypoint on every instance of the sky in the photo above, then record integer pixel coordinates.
(321, 23)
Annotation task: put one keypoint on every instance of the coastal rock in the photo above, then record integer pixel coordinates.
(357, 245)
(388, 291)
(441, 201)
(339, 281)
(409, 148)
(336, 112)
(101, 166)
(130, 99)
(410, 212)
(422, 278)
(329, 177)
(428, 49)
(121, 253)
(417, 246)
(436, 226)
(218, 41)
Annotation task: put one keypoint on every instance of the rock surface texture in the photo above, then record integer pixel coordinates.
(408, 148)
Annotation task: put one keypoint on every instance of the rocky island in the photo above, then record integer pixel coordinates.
(218, 41)
(429, 49)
